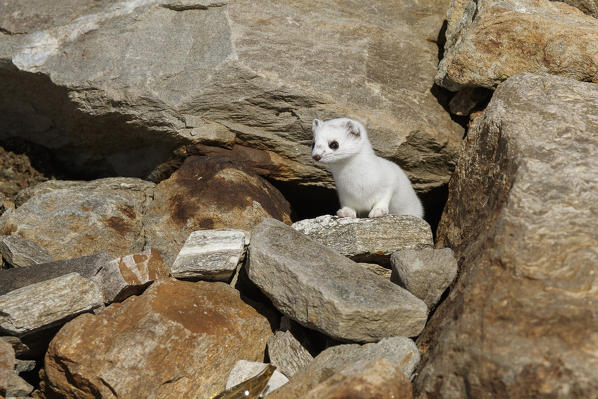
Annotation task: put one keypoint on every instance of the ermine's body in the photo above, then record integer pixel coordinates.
(366, 183)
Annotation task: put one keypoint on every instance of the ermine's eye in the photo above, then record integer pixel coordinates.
(333, 145)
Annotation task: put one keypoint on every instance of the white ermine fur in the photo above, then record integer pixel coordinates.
(366, 183)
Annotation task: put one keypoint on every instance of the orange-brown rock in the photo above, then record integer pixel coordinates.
(177, 340)
(7, 365)
(209, 193)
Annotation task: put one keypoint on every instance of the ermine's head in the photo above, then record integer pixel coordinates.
(337, 139)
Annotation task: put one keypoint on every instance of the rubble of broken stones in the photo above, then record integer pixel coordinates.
(294, 296)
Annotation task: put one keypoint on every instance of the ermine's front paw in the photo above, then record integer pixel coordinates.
(377, 212)
(346, 212)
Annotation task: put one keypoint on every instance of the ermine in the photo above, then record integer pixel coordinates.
(365, 182)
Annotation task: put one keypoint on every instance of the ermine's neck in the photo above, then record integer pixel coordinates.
(363, 157)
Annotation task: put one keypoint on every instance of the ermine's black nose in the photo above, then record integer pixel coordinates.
(316, 157)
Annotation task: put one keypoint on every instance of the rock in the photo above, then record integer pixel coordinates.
(368, 239)
(426, 273)
(177, 340)
(244, 370)
(67, 73)
(208, 193)
(399, 350)
(379, 379)
(589, 7)
(86, 266)
(20, 348)
(86, 218)
(130, 275)
(210, 255)
(22, 366)
(17, 387)
(321, 289)
(521, 218)
(43, 305)
(7, 365)
(468, 99)
(377, 269)
(538, 36)
(21, 252)
(16, 173)
(287, 354)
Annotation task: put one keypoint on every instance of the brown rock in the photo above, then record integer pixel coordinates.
(379, 379)
(521, 320)
(494, 40)
(177, 340)
(7, 365)
(16, 173)
(207, 193)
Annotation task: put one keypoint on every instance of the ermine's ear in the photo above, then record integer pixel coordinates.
(314, 126)
(353, 129)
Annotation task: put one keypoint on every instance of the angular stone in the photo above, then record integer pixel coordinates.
(65, 73)
(22, 366)
(243, 370)
(426, 273)
(379, 379)
(399, 350)
(377, 269)
(210, 255)
(287, 354)
(321, 289)
(130, 275)
(177, 340)
(43, 305)
(538, 36)
(86, 266)
(521, 218)
(20, 348)
(17, 387)
(21, 252)
(83, 219)
(209, 193)
(368, 239)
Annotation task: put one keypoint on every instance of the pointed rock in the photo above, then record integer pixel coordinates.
(287, 354)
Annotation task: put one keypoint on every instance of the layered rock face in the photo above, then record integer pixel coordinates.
(140, 78)
(521, 216)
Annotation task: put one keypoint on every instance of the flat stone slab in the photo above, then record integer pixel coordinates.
(42, 305)
(244, 370)
(210, 255)
(21, 252)
(323, 290)
(426, 273)
(368, 239)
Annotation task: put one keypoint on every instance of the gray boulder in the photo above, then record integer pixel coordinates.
(323, 290)
(21, 252)
(287, 353)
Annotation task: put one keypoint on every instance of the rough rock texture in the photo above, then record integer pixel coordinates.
(7, 365)
(243, 370)
(130, 275)
(493, 40)
(21, 252)
(377, 269)
(315, 286)
(426, 273)
(208, 77)
(86, 266)
(399, 350)
(73, 219)
(368, 239)
(207, 193)
(16, 171)
(17, 387)
(379, 379)
(43, 305)
(287, 354)
(177, 340)
(589, 7)
(521, 218)
(210, 255)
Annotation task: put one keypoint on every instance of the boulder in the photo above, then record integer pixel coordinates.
(43, 305)
(368, 239)
(209, 193)
(86, 266)
(400, 351)
(521, 218)
(210, 255)
(177, 340)
(426, 273)
(287, 353)
(489, 41)
(21, 252)
(378, 379)
(244, 370)
(203, 79)
(130, 275)
(323, 290)
(75, 219)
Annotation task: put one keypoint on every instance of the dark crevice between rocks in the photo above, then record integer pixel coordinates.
(434, 202)
(308, 202)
